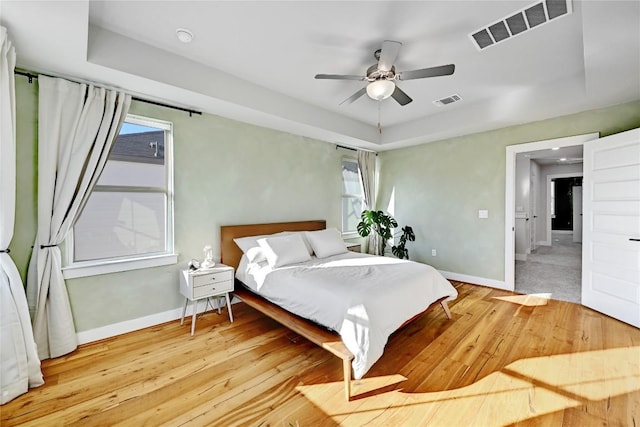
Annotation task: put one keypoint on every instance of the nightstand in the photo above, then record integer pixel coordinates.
(353, 247)
(205, 284)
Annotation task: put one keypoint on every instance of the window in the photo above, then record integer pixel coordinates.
(127, 222)
(352, 196)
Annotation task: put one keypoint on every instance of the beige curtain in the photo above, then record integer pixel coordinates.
(367, 168)
(77, 125)
(19, 362)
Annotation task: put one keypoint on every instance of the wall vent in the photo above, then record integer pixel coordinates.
(448, 100)
(520, 22)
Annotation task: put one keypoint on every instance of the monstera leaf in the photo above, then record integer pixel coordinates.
(400, 250)
(379, 222)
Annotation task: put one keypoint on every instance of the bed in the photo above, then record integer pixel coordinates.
(366, 298)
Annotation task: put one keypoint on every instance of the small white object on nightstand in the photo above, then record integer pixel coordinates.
(208, 258)
(204, 284)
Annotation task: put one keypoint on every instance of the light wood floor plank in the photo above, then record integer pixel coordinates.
(503, 360)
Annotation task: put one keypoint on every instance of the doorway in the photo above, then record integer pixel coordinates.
(563, 203)
(554, 266)
(548, 253)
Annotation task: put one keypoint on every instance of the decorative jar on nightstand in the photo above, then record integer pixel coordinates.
(204, 284)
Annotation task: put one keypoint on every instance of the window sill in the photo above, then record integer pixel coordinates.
(350, 235)
(85, 269)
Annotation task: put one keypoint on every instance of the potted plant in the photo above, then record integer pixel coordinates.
(382, 224)
(400, 250)
(379, 222)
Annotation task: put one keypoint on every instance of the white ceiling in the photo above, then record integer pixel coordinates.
(256, 61)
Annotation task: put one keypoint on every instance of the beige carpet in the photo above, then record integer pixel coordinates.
(555, 269)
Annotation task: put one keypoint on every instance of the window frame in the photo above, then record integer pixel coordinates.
(350, 233)
(75, 269)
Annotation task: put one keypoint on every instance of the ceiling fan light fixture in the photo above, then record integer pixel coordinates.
(380, 89)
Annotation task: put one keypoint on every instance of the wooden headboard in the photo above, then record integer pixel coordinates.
(230, 253)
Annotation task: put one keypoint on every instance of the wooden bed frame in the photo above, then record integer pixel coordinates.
(230, 255)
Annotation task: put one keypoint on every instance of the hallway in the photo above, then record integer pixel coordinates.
(553, 269)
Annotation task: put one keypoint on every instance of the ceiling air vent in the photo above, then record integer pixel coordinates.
(448, 100)
(520, 22)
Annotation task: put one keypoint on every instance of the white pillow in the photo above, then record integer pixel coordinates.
(248, 242)
(256, 254)
(326, 242)
(304, 239)
(284, 250)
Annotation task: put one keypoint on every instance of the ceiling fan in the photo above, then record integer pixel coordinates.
(382, 76)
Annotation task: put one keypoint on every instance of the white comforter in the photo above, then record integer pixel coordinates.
(364, 298)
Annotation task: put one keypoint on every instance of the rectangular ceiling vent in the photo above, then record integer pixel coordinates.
(448, 100)
(520, 22)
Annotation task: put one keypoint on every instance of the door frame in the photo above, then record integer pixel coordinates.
(577, 213)
(533, 211)
(509, 210)
(549, 242)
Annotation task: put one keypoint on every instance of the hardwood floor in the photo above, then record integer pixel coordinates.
(504, 359)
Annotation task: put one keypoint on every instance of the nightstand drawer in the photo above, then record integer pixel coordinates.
(212, 278)
(212, 289)
(354, 247)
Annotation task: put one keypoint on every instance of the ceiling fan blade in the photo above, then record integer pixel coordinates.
(339, 77)
(388, 54)
(442, 70)
(355, 96)
(401, 97)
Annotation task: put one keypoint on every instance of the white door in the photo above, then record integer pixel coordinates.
(576, 197)
(611, 215)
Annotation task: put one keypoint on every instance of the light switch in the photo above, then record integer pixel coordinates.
(483, 213)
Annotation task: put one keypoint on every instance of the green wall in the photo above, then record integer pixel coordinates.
(439, 187)
(228, 172)
(225, 172)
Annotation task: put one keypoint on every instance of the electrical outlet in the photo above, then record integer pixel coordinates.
(434, 252)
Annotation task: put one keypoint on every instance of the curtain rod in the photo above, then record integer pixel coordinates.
(354, 149)
(135, 98)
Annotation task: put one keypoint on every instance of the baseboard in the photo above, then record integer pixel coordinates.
(544, 243)
(521, 257)
(120, 328)
(561, 232)
(492, 283)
